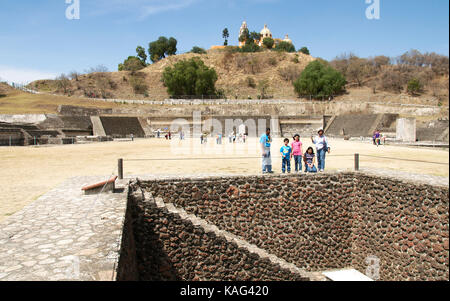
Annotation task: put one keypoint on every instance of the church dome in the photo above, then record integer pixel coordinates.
(265, 32)
(286, 39)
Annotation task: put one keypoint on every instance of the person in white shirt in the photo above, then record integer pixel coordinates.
(322, 147)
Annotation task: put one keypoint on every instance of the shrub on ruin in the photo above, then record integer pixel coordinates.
(319, 80)
(415, 87)
(190, 78)
(304, 50)
(251, 82)
(198, 50)
(138, 84)
(132, 64)
(289, 73)
(285, 47)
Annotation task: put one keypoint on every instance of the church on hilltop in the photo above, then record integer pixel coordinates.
(265, 33)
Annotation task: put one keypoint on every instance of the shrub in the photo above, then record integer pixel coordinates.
(263, 88)
(272, 61)
(198, 50)
(190, 77)
(285, 46)
(289, 73)
(414, 87)
(319, 80)
(304, 50)
(138, 84)
(251, 82)
(132, 64)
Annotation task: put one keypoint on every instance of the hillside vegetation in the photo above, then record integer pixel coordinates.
(271, 74)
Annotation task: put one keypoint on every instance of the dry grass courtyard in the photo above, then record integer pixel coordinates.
(29, 172)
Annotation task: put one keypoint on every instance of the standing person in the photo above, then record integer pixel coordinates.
(286, 154)
(170, 135)
(310, 159)
(201, 139)
(265, 142)
(297, 152)
(322, 146)
(158, 133)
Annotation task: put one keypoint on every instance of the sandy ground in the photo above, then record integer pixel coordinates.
(29, 172)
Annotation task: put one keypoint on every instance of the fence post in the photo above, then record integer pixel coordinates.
(356, 162)
(120, 169)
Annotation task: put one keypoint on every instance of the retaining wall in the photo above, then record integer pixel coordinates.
(320, 222)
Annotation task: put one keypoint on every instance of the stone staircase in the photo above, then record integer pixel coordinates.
(312, 276)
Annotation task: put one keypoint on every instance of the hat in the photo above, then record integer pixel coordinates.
(321, 130)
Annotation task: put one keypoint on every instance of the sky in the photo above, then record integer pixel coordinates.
(39, 41)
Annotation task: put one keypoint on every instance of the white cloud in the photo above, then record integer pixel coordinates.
(141, 8)
(23, 76)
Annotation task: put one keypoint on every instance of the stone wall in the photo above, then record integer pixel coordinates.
(304, 221)
(406, 226)
(326, 221)
(168, 246)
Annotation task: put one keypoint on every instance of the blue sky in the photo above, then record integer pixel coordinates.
(38, 41)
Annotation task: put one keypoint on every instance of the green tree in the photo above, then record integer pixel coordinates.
(225, 35)
(268, 42)
(161, 48)
(198, 50)
(319, 80)
(285, 46)
(190, 77)
(255, 37)
(245, 36)
(304, 50)
(141, 54)
(415, 87)
(132, 63)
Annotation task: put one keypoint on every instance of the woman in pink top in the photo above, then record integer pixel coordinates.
(297, 152)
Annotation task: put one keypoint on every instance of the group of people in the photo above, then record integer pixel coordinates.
(295, 151)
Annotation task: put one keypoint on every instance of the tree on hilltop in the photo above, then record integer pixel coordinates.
(225, 35)
(268, 42)
(141, 54)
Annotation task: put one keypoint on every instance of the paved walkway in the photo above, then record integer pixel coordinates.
(64, 235)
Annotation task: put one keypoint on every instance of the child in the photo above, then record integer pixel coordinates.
(286, 153)
(310, 159)
(297, 152)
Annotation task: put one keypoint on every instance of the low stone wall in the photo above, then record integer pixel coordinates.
(325, 221)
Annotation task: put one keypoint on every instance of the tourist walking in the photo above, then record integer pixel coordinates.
(322, 147)
(310, 159)
(286, 154)
(297, 153)
(265, 142)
